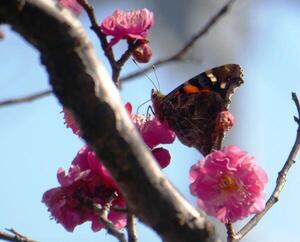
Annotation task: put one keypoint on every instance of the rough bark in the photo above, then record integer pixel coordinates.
(81, 84)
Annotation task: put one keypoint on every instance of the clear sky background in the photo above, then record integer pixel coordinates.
(261, 36)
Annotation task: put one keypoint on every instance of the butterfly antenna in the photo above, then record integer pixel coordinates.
(138, 108)
(156, 78)
(145, 74)
(150, 109)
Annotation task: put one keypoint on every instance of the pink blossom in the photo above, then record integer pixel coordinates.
(225, 121)
(131, 25)
(153, 133)
(70, 121)
(73, 5)
(86, 182)
(143, 53)
(229, 184)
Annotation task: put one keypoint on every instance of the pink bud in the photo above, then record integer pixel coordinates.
(225, 120)
(142, 54)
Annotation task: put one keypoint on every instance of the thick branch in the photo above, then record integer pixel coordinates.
(82, 85)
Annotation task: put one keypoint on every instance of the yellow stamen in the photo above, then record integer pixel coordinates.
(228, 183)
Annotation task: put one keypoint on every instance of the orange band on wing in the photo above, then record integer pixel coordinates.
(189, 88)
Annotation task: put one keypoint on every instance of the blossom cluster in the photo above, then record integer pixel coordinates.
(88, 183)
(228, 183)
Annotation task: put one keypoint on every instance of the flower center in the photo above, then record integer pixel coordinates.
(228, 183)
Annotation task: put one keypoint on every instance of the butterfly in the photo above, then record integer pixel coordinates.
(192, 109)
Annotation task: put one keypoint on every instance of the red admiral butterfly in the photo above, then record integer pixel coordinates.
(193, 108)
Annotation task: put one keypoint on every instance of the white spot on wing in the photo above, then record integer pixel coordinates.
(223, 85)
(212, 77)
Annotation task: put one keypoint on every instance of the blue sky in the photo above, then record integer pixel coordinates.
(263, 38)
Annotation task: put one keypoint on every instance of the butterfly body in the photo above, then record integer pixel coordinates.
(192, 109)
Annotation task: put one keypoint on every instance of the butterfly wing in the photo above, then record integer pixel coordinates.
(222, 80)
(193, 118)
(191, 109)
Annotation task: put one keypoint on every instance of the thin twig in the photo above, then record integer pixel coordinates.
(110, 56)
(230, 232)
(280, 182)
(131, 229)
(295, 99)
(180, 54)
(25, 99)
(103, 212)
(95, 27)
(109, 226)
(14, 236)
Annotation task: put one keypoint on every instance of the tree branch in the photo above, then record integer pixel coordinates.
(103, 41)
(131, 229)
(82, 85)
(109, 226)
(280, 182)
(14, 236)
(25, 99)
(174, 57)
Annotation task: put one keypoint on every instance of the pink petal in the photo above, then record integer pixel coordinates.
(162, 156)
(73, 5)
(127, 25)
(154, 132)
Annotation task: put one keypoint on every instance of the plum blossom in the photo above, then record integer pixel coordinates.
(130, 25)
(154, 133)
(229, 184)
(87, 182)
(142, 53)
(73, 5)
